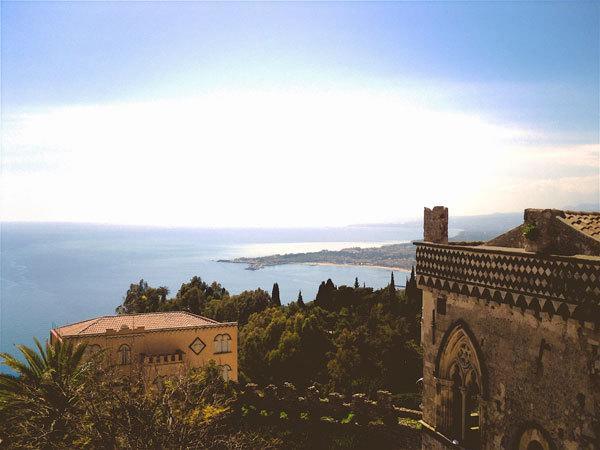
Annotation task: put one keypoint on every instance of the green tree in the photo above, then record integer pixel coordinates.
(238, 308)
(413, 293)
(300, 300)
(39, 406)
(275, 295)
(325, 294)
(356, 285)
(193, 295)
(285, 344)
(141, 298)
(185, 411)
(392, 287)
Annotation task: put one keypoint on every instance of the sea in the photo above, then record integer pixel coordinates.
(58, 273)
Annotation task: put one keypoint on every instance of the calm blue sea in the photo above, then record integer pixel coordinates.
(53, 274)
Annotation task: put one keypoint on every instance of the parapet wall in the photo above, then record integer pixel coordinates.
(562, 285)
(313, 405)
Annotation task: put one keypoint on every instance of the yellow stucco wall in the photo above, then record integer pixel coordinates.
(166, 342)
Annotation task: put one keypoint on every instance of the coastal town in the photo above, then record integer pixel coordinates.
(394, 256)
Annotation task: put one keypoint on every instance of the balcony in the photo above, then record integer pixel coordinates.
(168, 358)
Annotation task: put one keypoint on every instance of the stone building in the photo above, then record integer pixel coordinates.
(157, 344)
(511, 334)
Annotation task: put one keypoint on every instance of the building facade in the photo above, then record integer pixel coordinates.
(511, 334)
(157, 344)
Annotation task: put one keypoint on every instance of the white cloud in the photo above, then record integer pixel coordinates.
(264, 158)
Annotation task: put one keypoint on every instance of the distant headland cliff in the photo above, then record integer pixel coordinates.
(395, 256)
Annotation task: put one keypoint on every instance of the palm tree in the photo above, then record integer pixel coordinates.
(41, 398)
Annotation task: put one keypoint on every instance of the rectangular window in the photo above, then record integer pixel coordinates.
(441, 306)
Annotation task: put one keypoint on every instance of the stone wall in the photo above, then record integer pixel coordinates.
(356, 419)
(314, 405)
(538, 368)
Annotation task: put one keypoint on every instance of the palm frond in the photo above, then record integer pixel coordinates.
(36, 363)
(17, 365)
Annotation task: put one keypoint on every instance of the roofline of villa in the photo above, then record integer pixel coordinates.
(141, 330)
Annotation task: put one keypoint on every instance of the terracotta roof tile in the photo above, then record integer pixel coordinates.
(587, 223)
(150, 322)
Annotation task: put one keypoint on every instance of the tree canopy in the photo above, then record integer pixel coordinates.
(349, 339)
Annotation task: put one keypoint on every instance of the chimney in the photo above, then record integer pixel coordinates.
(541, 234)
(435, 225)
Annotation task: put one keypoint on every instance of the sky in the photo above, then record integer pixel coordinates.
(296, 114)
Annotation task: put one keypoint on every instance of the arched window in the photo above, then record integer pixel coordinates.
(222, 343)
(533, 437)
(225, 370)
(459, 379)
(92, 350)
(124, 354)
(535, 445)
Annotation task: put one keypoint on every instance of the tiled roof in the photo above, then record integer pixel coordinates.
(587, 223)
(150, 322)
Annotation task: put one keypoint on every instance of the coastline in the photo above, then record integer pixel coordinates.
(373, 266)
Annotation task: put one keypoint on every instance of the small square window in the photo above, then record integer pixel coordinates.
(441, 306)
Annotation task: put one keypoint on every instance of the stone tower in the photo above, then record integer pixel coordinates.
(435, 225)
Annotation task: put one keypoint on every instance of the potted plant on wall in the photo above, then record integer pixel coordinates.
(530, 233)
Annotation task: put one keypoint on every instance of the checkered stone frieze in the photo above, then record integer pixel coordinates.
(571, 280)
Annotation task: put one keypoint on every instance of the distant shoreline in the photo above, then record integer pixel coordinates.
(390, 257)
(372, 266)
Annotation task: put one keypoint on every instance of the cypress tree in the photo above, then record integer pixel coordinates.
(300, 300)
(325, 294)
(356, 285)
(413, 293)
(320, 298)
(275, 295)
(392, 287)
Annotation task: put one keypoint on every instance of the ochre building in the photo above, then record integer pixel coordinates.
(510, 334)
(157, 344)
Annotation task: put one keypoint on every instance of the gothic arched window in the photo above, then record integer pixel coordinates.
(459, 389)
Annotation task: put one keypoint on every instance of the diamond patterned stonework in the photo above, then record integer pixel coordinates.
(554, 284)
(197, 346)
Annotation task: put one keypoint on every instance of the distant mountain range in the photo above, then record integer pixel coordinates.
(461, 228)
(483, 227)
(474, 228)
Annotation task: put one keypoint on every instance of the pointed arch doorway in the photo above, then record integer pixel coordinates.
(460, 381)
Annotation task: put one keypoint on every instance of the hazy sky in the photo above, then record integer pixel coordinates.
(292, 114)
